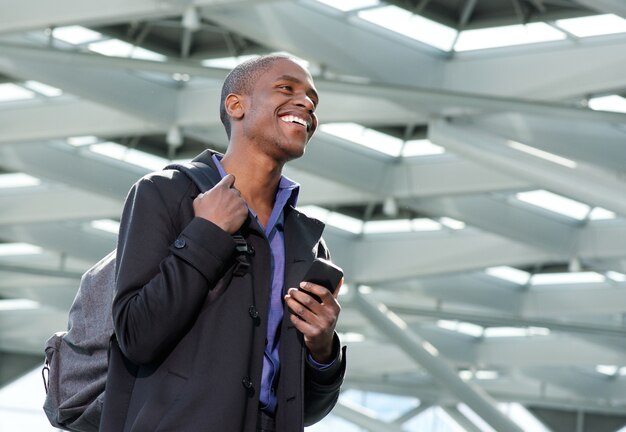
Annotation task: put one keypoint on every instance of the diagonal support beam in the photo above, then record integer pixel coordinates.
(461, 420)
(427, 357)
(362, 419)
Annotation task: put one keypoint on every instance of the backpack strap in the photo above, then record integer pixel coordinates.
(203, 175)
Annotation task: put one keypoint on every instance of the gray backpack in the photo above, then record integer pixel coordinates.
(76, 364)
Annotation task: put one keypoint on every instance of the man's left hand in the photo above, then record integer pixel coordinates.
(316, 321)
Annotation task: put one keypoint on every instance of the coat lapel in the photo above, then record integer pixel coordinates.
(302, 235)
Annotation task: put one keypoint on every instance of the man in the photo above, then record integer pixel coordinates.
(201, 346)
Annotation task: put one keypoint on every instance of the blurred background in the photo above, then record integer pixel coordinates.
(470, 168)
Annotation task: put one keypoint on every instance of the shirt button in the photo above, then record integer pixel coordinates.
(180, 243)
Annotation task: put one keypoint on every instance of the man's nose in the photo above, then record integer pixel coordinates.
(306, 102)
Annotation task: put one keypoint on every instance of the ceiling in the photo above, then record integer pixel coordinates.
(487, 108)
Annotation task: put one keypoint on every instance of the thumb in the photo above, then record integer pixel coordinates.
(228, 181)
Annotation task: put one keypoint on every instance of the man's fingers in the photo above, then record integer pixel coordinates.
(228, 181)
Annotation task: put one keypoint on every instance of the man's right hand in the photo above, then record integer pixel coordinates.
(222, 205)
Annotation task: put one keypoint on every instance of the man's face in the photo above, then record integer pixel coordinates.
(280, 116)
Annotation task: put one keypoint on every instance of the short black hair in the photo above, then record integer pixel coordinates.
(241, 79)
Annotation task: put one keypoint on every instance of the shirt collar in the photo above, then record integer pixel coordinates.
(285, 185)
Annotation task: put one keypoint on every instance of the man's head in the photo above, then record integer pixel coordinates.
(242, 79)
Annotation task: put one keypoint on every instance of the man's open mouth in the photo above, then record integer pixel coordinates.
(295, 119)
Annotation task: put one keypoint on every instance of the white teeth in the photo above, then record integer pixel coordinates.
(294, 119)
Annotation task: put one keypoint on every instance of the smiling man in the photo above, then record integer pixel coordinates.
(212, 333)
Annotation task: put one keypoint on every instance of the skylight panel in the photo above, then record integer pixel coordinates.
(119, 48)
(599, 213)
(76, 35)
(11, 92)
(132, 156)
(483, 374)
(227, 62)
(387, 226)
(609, 370)
(452, 223)
(18, 249)
(510, 274)
(346, 223)
(613, 103)
(461, 327)
(425, 224)
(18, 304)
(566, 278)
(617, 277)
(542, 154)
(17, 180)
(421, 147)
(555, 203)
(493, 332)
(596, 25)
(414, 26)
(366, 137)
(518, 34)
(350, 5)
(106, 225)
(314, 211)
(78, 141)
(43, 89)
(334, 219)
(351, 337)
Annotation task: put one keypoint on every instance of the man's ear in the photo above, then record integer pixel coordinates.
(234, 106)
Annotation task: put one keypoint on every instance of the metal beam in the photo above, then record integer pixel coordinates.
(40, 14)
(566, 138)
(502, 218)
(516, 393)
(117, 89)
(380, 258)
(90, 171)
(616, 7)
(424, 354)
(563, 76)
(49, 203)
(499, 320)
(66, 116)
(601, 189)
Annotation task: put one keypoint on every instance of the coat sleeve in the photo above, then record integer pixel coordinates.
(163, 276)
(321, 386)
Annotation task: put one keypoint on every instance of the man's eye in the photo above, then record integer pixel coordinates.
(285, 87)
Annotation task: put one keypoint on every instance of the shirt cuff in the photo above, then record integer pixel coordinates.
(320, 366)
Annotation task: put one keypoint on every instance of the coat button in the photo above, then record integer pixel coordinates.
(253, 312)
(180, 243)
(247, 382)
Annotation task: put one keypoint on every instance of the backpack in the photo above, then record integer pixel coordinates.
(76, 361)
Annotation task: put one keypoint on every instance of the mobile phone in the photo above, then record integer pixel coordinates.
(325, 273)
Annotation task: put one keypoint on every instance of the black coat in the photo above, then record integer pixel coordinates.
(189, 349)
